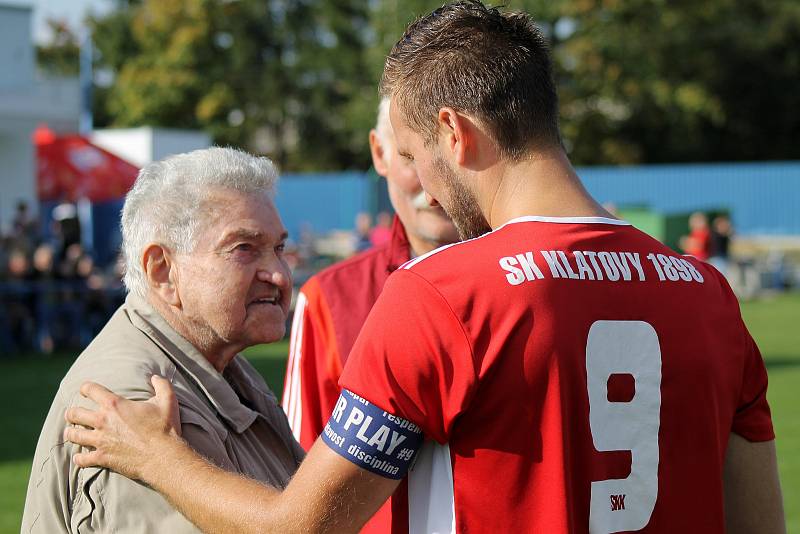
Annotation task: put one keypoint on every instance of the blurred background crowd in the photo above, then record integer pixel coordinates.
(53, 293)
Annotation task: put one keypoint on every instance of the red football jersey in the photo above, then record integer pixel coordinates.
(330, 311)
(569, 374)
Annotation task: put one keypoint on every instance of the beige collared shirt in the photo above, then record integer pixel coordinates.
(231, 418)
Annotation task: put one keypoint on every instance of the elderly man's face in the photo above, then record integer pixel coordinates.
(235, 287)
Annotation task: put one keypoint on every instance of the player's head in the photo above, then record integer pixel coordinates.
(474, 69)
(427, 226)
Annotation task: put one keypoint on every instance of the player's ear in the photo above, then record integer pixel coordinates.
(161, 273)
(455, 130)
(380, 155)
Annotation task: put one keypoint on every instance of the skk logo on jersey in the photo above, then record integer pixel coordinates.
(371, 438)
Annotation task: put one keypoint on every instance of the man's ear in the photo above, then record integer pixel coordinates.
(161, 273)
(457, 130)
(380, 158)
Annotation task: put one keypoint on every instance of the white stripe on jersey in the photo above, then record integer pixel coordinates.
(527, 218)
(287, 382)
(292, 395)
(568, 220)
(431, 503)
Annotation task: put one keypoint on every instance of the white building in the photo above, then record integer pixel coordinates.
(140, 146)
(26, 101)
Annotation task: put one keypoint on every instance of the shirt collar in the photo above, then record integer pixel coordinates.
(399, 248)
(219, 393)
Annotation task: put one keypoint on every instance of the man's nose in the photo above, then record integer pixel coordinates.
(275, 272)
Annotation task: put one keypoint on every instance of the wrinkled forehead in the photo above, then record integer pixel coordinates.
(224, 198)
(226, 211)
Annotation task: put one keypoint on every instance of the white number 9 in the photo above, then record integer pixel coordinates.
(624, 347)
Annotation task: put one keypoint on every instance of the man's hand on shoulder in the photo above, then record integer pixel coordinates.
(130, 437)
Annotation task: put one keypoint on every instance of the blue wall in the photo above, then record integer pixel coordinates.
(763, 198)
(325, 201)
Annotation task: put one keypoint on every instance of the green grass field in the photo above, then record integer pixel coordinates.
(27, 387)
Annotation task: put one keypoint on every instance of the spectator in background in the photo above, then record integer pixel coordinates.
(363, 229)
(382, 233)
(66, 228)
(22, 220)
(24, 229)
(333, 305)
(16, 314)
(698, 242)
(721, 234)
(45, 272)
(72, 298)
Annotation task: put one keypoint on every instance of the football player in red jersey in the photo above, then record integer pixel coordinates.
(558, 371)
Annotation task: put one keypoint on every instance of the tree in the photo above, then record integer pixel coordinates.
(280, 78)
(640, 81)
(61, 56)
(646, 81)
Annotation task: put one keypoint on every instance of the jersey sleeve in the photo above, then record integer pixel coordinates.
(311, 386)
(413, 357)
(752, 419)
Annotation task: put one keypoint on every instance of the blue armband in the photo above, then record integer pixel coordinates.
(372, 438)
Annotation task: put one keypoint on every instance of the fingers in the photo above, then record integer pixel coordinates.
(166, 400)
(84, 417)
(81, 436)
(163, 389)
(88, 459)
(99, 394)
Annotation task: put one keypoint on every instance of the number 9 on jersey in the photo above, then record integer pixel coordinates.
(630, 348)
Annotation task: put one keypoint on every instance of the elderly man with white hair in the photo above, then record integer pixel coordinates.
(206, 278)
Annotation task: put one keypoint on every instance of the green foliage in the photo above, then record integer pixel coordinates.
(641, 81)
(61, 56)
(288, 79)
(654, 81)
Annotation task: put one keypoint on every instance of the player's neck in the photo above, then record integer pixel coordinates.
(419, 246)
(545, 185)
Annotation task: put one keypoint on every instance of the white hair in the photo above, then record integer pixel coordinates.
(383, 127)
(167, 203)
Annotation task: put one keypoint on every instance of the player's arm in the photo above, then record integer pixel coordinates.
(328, 494)
(753, 501)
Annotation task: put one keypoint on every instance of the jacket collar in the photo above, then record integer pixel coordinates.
(399, 248)
(190, 362)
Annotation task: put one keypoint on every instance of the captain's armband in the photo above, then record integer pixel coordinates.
(372, 438)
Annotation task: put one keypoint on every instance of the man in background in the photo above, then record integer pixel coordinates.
(333, 305)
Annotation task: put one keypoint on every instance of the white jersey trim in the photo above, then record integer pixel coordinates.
(409, 264)
(292, 394)
(568, 220)
(527, 218)
(431, 496)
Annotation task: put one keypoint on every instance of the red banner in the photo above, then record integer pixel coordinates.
(69, 167)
